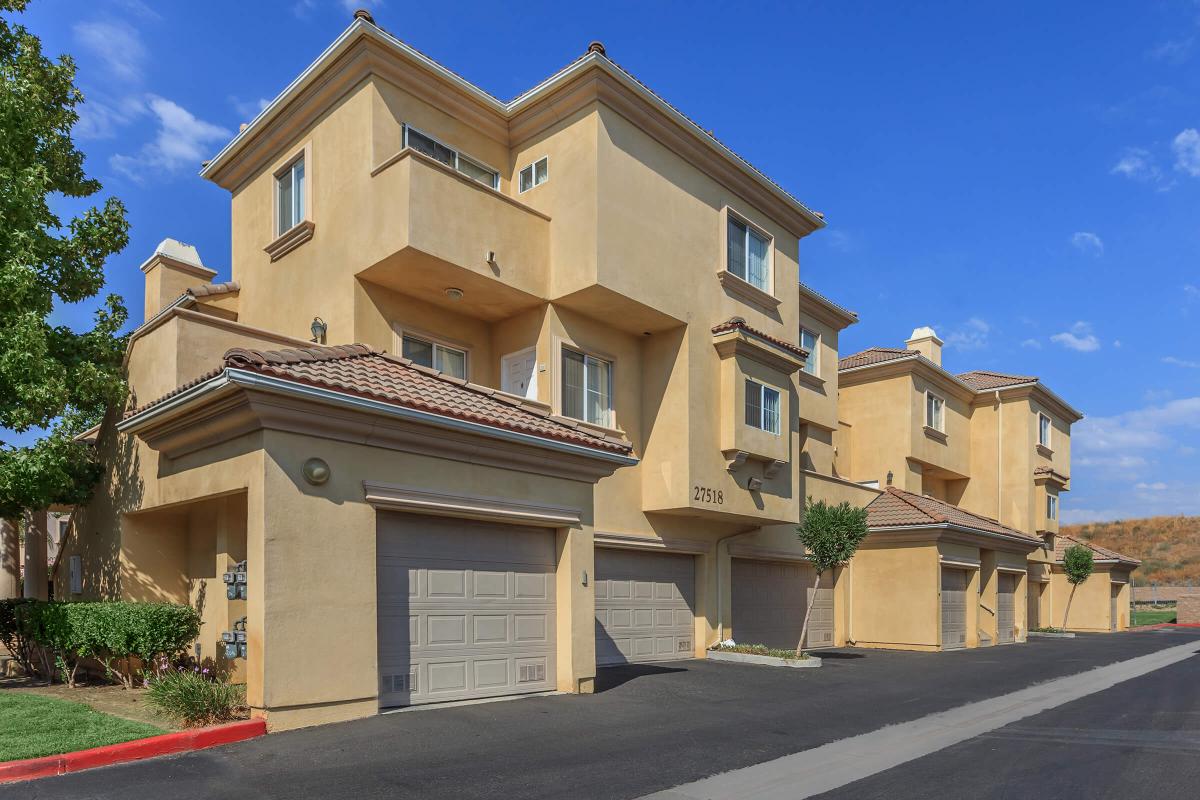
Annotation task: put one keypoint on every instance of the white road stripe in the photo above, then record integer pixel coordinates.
(836, 764)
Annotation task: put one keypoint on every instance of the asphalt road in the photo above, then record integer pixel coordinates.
(646, 729)
(1139, 739)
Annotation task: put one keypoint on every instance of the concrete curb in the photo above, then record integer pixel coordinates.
(767, 661)
(1161, 625)
(168, 743)
(1049, 635)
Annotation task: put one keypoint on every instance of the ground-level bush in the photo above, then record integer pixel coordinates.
(194, 698)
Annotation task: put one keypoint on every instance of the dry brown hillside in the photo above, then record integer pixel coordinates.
(1169, 547)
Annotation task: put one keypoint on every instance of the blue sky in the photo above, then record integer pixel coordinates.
(1024, 177)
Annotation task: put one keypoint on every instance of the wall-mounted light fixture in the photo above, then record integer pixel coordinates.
(316, 471)
(454, 293)
(889, 478)
(318, 328)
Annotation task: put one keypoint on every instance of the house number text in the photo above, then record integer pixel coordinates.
(703, 494)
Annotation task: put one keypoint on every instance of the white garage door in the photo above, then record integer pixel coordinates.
(954, 608)
(769, 599)
(1006, 609)
(644, 605)
(466, 609)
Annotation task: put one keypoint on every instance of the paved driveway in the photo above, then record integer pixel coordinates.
(647, 728)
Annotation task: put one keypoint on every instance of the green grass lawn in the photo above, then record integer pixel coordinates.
(1153, 617)
(33, 726)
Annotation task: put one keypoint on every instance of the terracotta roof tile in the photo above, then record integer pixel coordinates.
(356, 369)
(982, 380)
(1062, 541)
(898, 508)
(737, 323)
(873, 355)
(214, 289)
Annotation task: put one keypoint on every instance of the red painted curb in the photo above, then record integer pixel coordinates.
(168, 743)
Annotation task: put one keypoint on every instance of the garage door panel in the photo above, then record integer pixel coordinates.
(1006, 608)
(954, 608)
(643, 606)
(479, 604)
(769, 601)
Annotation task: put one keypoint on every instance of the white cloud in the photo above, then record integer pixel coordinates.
(1079, 338)
(1186, 147)
(971, 335)
(1032, 344)
(1157, 486)
(248, 109)
(1101, 440)
(1192, 293)
(354, 5)
(182, 141)
(118, 45)
(1137, 164)
(99, 119)
(1181, 362)
(1087, 242)
(841, 241)
(1116, 342)
(1173, 51)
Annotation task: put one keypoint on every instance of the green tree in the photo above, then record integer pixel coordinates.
(1078, 564)
(831, 535)
(51, 377)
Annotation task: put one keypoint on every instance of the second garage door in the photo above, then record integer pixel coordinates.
(954, 608)
(768, 602)
(1006, 609)
(644, 605)
(466, 609)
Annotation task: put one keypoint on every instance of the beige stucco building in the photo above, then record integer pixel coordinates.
(497, 393)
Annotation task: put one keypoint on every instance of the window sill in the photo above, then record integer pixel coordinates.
(290, 239)
(934, 433)
(815, 381)
(747, 291)
(1045, 451)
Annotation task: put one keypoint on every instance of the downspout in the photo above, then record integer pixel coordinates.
(720, 603)
(999, 457)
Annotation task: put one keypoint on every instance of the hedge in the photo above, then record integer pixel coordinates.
(57, 637)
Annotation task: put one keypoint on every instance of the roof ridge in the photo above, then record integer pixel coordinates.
(905, 497)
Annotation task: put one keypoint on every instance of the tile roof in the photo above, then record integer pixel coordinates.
(873, 355)
(214, 289)
(1062, 541)
(898, 508)
(836, 307)
(982, 380)
(737, 323)
(359, 370)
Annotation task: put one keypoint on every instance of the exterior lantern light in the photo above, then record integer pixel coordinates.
(318, 329)
(316, 471)
(889, 478)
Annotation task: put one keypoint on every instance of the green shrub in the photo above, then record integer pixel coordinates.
(193, 698)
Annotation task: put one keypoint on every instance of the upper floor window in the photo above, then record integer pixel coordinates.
(762, 406)
(289, 196)
(586, 388)
(1051, 506)
(535, 174)
(748, 254)
(809, 342)
(423, 143)
(935, 412)
(1044, 429)
(449, 360)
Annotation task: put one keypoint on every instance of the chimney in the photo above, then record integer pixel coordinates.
(174, 268)
(927, 343)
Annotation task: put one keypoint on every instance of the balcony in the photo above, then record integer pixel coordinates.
(435, 228)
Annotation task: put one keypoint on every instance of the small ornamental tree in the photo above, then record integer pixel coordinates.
(831, 535)
(1078, 564)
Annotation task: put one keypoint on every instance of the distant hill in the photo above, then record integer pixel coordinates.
(1169, 547)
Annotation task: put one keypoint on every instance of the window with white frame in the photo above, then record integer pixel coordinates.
(76, 574)
(449, 360)
(935, 412)
(748, 254)
(809, 342)
(475, 170)
(535, 174)
(586, 388)
(289, 196)
(762, 406)
(1051, 506)
(1044, 430)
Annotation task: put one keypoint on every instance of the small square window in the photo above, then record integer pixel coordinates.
(449, 360)
(289, 196)
(762, 407)
(1051, 506)
(535, 174)
(1045, 427)
(586, 388)
(935, 412)
(809, 342)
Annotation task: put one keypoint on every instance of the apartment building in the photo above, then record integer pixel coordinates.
(984, 455)
(498, 393)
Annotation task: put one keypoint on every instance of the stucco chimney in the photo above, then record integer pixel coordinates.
(927, 343)
(174, 268)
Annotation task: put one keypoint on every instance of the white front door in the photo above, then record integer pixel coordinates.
(518, 373)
